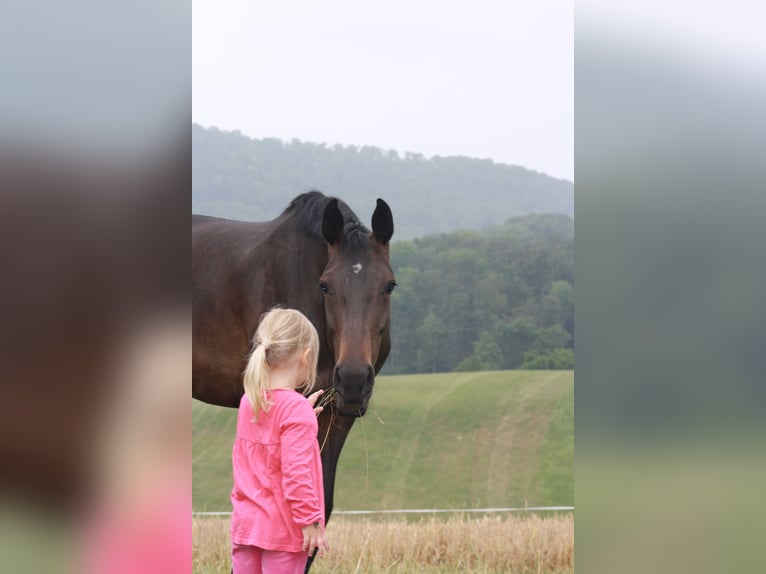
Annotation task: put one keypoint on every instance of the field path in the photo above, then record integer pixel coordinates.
(517, 437)
(413, 429)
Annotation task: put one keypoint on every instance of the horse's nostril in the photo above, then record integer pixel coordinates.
(353, 378)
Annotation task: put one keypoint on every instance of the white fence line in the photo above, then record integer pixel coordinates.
(426, 510)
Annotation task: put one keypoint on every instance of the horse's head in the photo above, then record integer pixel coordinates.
(357, 284)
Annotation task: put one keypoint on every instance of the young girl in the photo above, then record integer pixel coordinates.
(277, 499)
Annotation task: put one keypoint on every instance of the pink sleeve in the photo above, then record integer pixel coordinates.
(299, 444)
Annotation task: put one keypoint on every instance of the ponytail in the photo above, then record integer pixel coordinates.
(256, 381)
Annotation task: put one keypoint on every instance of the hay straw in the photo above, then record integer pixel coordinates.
(492, 544)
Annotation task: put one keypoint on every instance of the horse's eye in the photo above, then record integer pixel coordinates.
(324, 288)
(390, 287)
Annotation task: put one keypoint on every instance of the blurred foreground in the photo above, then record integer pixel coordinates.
(671, 268)
(95, 190)
(95, 359)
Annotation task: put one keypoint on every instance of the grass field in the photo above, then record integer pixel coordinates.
(453, 440)
(521, 544)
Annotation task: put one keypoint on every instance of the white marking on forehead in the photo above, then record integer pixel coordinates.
(356, 267)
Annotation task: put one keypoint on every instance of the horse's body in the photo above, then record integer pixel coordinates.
(315, 257)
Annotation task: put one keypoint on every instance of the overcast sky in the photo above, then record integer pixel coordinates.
(488, 79)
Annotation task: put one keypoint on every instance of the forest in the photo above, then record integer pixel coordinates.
(502, 298)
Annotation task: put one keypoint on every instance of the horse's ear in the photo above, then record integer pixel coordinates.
(332, 223)
(382, 223)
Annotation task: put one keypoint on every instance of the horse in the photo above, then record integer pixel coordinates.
(318, 258)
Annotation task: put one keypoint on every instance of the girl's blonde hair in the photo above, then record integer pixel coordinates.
(282, 336)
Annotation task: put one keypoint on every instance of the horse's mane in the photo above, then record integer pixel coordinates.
(308, 208)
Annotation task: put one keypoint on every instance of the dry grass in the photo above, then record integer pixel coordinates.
(526, 544)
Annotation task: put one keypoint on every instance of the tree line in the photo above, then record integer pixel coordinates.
(502, 298)
(238, 177)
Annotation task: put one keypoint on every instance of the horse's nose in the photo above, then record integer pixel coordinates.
(353, 382)
(353, 377)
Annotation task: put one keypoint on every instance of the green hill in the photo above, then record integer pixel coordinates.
(453, 440)
(238, 177)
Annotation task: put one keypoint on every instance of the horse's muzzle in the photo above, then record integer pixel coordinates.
(353, 385)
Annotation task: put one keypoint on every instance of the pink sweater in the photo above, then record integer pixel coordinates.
(277, 474)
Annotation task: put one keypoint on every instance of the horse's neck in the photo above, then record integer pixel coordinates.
(303, 256)
(284, 269)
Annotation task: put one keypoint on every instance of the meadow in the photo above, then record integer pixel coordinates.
(453, 440)
(445, 441)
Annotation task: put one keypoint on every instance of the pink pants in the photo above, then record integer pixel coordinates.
(254, 560)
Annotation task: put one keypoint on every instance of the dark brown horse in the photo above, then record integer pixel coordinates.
(315, 257)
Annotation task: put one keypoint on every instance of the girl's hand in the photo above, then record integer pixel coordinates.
(313, 537)
(313, 398)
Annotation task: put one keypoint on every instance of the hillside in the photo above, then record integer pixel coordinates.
(454, 440)
(254, 179)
